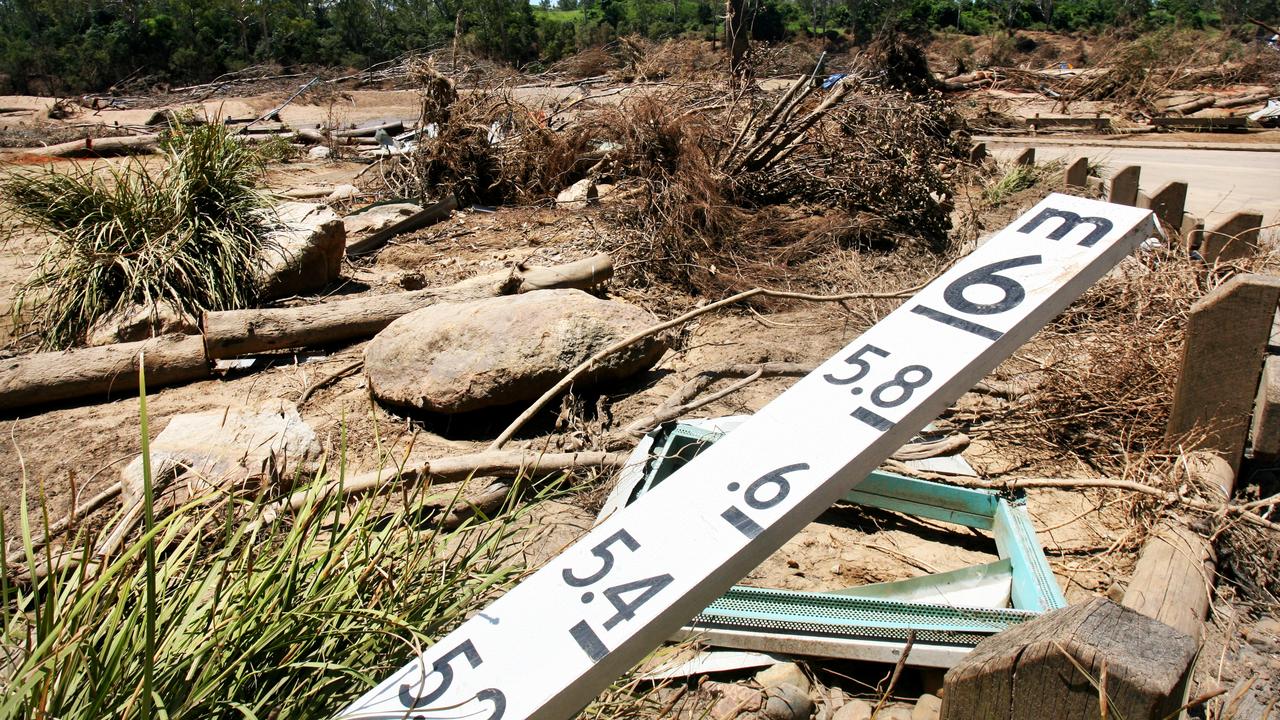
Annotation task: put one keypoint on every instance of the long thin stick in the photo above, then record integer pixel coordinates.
(590, 362)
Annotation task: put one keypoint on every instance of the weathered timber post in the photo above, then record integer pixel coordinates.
(1026, 158)
(1078, 173)
(1173, 580)
(1227, 334)
(1053, 666)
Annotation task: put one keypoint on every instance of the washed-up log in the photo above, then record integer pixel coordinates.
(311, 135)
(428, 216)
(105, 371)
(90, 147)
(1242, 100)
(1200, 103)
(242, 332)
(392, 128)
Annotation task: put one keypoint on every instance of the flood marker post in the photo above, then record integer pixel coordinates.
(555, 641)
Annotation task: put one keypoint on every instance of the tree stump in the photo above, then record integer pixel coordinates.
(1025, 673)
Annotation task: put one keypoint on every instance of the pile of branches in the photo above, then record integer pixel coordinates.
(716, 188)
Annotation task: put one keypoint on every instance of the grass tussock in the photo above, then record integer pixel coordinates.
(190, 234)
(293, 620)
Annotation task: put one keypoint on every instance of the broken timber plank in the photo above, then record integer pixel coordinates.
(630, 583)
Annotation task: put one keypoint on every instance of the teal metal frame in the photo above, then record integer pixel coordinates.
(1034, 590)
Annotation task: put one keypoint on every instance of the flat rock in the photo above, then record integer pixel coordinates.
(306, 250)
(139, 322)
(214, 449)
(378, 217)
(853, 710)
(736, 701)
(928, 707)
(459, 357)
(787, 702)
(578, 194)
(782, 673)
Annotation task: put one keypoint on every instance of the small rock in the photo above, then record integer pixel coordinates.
(319, 152)
(413, 281)
(378, 217)
(140, 322)
(783, 673)
(736, 701)
(853, 710)
(577, 195)
(894, 712)
(459, 357)
(787, 702)
(306, 250)
(343, 192)
(836, 698)
(928, 707)
(603, 189)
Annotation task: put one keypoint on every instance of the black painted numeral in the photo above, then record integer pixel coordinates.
(606, 559)
(778, 488)
(444, 668)
(1012, 295)
(627, 610)
(857, 360)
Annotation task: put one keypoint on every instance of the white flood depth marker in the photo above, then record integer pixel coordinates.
(556, 640)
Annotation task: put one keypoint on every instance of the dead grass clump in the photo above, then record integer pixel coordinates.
(589, 63)
(683, 59)
(1112, 365)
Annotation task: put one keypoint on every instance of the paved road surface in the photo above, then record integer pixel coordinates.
(1219, 182)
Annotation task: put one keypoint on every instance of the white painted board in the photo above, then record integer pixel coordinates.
(552, 643)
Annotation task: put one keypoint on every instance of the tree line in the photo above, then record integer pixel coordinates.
(63, 46)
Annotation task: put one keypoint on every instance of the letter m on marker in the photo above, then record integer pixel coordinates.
(1070, 221)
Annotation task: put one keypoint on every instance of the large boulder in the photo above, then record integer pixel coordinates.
(460, 357)
(305, 252)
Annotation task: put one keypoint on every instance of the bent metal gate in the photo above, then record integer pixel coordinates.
(556, 640)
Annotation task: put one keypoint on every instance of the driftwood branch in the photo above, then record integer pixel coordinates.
(590, 362)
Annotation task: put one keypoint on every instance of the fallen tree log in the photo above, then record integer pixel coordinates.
(392, 128)
(104, 371)
(1242, 100)
(1200, 103)
(460, 468)
(242, 332)
(91, 147)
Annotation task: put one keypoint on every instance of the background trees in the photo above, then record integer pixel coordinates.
(61, 46)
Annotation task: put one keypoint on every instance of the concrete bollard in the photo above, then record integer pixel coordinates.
(1124, 186)
(1168, 204)
(1235, 239)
